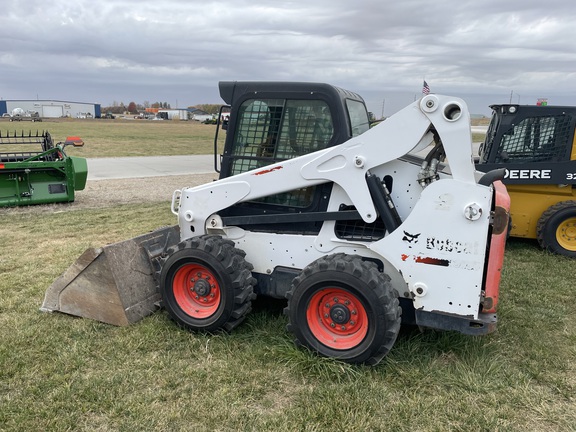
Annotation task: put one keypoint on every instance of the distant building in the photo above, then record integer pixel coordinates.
(52, 108)
(173, 113)
(200, 115)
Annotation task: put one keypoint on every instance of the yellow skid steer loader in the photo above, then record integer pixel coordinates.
(537, 147)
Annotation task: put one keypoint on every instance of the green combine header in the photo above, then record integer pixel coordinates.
(34, 170)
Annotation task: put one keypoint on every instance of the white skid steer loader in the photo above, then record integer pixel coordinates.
(348, 223)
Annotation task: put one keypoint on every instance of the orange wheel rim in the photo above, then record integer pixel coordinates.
(196, 291)
(566, 234)
(337, 318)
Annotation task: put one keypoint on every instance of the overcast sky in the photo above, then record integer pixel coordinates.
(488, 51)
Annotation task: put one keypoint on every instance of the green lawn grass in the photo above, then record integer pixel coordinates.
(59, 372)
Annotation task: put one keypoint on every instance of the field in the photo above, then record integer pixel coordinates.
(63, 373)
(109, 138)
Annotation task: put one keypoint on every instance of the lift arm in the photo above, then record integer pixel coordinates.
(346, 164)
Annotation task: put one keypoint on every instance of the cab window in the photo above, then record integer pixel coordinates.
(358, 115)
(535, 139)
(272, 130)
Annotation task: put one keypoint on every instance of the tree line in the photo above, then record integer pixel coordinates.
(135, 108)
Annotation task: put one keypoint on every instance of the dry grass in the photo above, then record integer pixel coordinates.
(113, 138)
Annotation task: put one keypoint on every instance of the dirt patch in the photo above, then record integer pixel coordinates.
(148, 189)
(106, 193)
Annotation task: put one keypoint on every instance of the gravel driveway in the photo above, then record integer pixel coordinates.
(106, 193)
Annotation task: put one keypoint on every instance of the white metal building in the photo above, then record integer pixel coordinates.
(52, 108)
(174, 113)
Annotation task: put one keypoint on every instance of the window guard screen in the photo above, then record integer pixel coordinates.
(536, 139)
(272, 130)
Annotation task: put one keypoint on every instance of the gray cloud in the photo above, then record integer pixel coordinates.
(175, 51)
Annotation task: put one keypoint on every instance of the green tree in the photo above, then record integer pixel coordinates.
(208, 108)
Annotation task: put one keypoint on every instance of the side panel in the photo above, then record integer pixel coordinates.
(531, 173)
(497, 246)
(573, 152)
(24, 183)
(440, 251)
(43, 177)
(530, 201)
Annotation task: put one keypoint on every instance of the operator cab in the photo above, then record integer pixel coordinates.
(274, 121)
(533, 136)
(271, 122)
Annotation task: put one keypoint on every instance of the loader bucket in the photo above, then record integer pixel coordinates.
(114, 284)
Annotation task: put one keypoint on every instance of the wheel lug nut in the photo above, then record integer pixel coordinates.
(327, 305)
(336, 300)
(352, 322)
(353, 312)
(332, 325)
(347, 302)
(326, 315)
(196, 297)
(343, 328)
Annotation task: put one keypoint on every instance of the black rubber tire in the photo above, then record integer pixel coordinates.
(216, 259)
(365, 289)
(561, 242)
